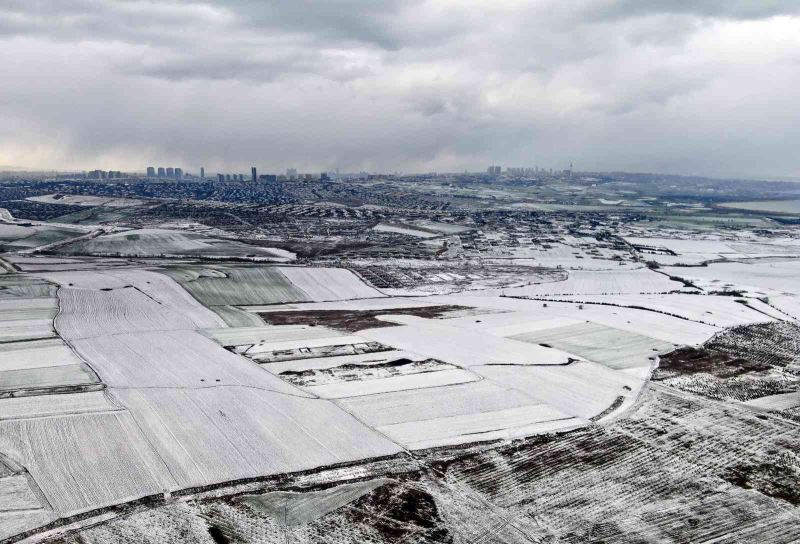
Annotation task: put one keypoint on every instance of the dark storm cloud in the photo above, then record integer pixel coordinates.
(401, 85)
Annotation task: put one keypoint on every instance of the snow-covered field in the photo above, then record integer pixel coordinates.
(613, 348)
(322, 284)
(696, 250)
(438, 340)
(518, 316)
(125, 309)
(408, 230)
(58, 404)
(26, 318)
(719, 311)
(758, 278)
(489, 425)
(253, 336)
(197, 390)
(182, 411)
(602, 282)
(424, 380)
(164, 242)
(86, 200)
(455, 414)
(238, 286)
(87, 461)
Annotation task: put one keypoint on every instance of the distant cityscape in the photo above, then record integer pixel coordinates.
(291, 174)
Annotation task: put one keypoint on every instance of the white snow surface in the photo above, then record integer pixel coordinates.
(438, 340)
(600, 282)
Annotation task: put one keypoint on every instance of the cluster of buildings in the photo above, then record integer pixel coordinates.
(497, 171)
(103, 174)
(291, 174)
(161, 172)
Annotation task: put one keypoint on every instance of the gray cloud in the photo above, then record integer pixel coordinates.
(703, 87)
(733, 9)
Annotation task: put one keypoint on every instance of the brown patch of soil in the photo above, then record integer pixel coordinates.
(685, 361)
(352, 320)
(773, 480)
(399, 511)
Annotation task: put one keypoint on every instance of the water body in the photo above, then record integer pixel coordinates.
(777, 206)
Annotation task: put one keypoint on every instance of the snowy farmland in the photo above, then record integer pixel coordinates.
(182, 369)
(86, 200)
(163, 242)
(719, 311)
(602, 282)
(222, 286)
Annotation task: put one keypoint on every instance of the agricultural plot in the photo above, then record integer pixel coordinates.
(506, 316)
(16, 287)
(583, 390)
(437, 403)
(86, 200)
(694, 251)
(744, 364)
(776, 403)
(172, 359)
(35, 354)
(322, 284)
(235, 292)
(604, 282)
(223, 286)
(24, 318)
(408, 230)
(25, 237)
(437, 340)
(14, 522)
(129, 284)
(420, 228)
(84, 462)
(366, 384)
(234, 316)
(355, 320)
(757, 279)
(456, 414)
(499, 425)
(788, 306)
(245, 338)
(165, 243)
(296, 509)
(617, 483)
(34, 261)
(33, 264)
(41, 379)
(361, 305)
(421, 278)
(124, 309)
(613, 348)
(58, 404)
(570, 257)
(216, 434)
(718, 311)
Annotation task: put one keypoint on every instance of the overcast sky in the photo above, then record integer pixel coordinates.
(707, 87)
